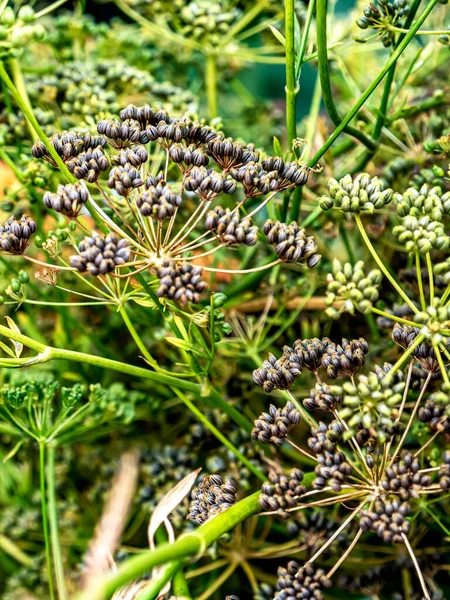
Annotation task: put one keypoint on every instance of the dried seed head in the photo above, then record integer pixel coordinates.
(100, 255)
(68, 199)
(388, 520)
(278, 374)
(210, 497)
(274, 426)
(230, 228)
(181, 282)
(15, 234)
(282, 492)
(298, 583)
(291, 242)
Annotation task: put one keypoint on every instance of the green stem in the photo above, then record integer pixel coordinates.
(419, 339)
(383, 313)
(192, 544)
(139, 343)
(430, 277)
(208, 394)
(420, 282)
(222, 438)
(291, 80)
(48, 556)
(153, 589)
(49, 8)
(441, 364)
(21, 87)
(382, 266)
(27, 110)
(211, 85)
(372, 87)
(324, 74)
(53, 522)
(180, 586)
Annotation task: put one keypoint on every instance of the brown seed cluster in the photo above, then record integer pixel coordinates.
(274, 426)
(282, 492)
(211, 496)
(15, 234)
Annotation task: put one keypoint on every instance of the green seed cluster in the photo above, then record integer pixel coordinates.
(352, 285)
(369, 404)
(421, 234)
(425, 201)
(364, 194)
(436, 319)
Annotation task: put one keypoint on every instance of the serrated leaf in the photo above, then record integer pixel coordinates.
(18, 347)
(168, 503)
(277, 149)
(279, 36)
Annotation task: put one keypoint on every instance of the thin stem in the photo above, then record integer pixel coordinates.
(218, 581)
(337, 532)
(420, 282)
(391, 317)
(49, 8)
(441, 363)
(139, 343)
(242, 271)
(344, 556)
(375, 83)
(180, 586)
(45, 530)
(211, 84)
(416, 566)
(420, 450)
(411, 419)
(430, 276)
(222, 438)
(53, 521)
(324, 74)
(381, 264)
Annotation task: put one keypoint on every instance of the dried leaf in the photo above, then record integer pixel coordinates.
(18, 347)
(168, 503)
(113, 519)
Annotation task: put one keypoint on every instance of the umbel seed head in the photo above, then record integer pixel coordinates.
(100, 255)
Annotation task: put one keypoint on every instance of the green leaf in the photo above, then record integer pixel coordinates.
(184, 345)
(279, 36)
(18, 347)
(278, 150)
(5, 348)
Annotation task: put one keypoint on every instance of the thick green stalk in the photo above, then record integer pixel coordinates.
(180, 586)
(324, 74)
(53, 522)
(44, 511)
(376, 82)
(291, 79)
(152, 591)
(189, 545)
